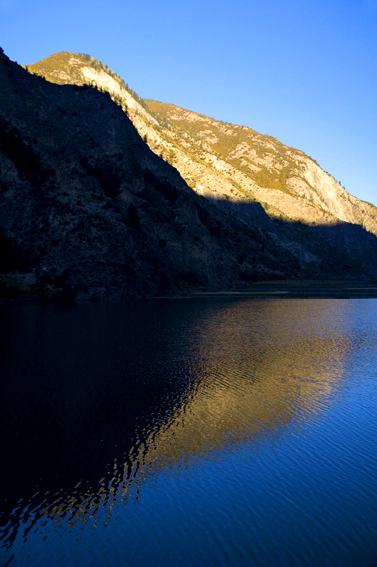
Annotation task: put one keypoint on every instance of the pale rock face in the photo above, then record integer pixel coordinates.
(326, 194)
(108, 83)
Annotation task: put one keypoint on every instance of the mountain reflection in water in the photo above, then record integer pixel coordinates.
(97, 399)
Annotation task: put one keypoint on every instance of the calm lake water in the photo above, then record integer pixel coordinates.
(192, 433)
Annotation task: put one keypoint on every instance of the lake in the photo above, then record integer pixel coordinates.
(189, 432)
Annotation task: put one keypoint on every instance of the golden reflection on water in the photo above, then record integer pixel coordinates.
(247, 388)
(258, 368)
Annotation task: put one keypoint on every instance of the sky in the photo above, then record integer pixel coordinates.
(303, 71)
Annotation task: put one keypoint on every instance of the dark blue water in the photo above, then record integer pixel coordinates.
(189, 433)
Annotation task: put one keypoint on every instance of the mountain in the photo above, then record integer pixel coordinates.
(221, 160)
(88, 211)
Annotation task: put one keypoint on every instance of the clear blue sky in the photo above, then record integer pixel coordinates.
(303, 71)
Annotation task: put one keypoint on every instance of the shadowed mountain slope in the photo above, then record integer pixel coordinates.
(88, 210)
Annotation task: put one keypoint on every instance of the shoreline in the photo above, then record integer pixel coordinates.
(289, 290)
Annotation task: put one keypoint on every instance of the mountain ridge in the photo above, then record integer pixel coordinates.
(232, 162)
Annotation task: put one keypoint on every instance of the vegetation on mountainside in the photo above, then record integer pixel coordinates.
(221, 139)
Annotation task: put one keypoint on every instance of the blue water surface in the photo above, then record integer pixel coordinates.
(190, 433)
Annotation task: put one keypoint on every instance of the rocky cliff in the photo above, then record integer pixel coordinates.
(87, 210)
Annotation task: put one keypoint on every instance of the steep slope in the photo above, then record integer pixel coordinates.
(288, 183)
(222, 160)
(87, 210)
